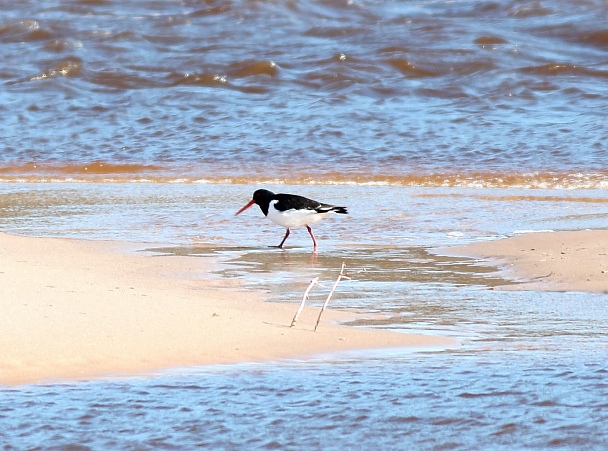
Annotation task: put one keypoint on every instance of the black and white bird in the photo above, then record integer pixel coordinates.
(291, 210)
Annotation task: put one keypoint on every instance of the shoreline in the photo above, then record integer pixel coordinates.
(79, 310)
(546, 261)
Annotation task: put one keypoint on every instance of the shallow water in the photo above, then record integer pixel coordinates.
(498, 400)
(378, 215)
(435, 122)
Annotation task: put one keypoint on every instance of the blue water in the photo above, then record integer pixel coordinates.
(351, 89)
(497, 400)
(378, 215)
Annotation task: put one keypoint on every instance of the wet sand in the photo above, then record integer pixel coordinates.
(548, 261)
(75, 309)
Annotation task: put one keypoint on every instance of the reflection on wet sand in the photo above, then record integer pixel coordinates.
(370, 265)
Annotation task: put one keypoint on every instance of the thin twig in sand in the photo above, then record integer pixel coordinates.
(340, 277)
(313, 282)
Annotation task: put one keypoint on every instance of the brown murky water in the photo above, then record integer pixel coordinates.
(428, 93)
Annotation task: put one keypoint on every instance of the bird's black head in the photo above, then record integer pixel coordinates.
(262, 197)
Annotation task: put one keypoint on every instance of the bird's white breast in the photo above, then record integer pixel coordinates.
(293, 218)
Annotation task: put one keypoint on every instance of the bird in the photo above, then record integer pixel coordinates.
(291, 210)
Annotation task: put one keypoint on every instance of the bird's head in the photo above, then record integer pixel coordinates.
(261, 197)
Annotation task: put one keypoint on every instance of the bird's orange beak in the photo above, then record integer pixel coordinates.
(251, 202)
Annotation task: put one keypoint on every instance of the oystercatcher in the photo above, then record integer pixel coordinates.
(291, 210)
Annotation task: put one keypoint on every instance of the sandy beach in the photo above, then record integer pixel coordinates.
(75, 309)
(548, 261)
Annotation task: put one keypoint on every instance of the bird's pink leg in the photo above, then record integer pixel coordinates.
(314, 242)
(280, 246)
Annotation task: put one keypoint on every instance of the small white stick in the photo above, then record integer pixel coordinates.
(340, 277)
(312, 284)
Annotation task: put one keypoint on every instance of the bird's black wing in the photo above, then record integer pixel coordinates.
(295, 202)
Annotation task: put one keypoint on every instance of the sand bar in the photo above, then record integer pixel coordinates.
(74, 309)
(548, 261)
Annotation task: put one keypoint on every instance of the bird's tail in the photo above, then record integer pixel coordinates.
(340, 210)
